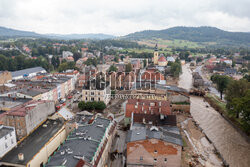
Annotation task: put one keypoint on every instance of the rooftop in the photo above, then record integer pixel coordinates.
(167, 134)
(8, 102)
(27, 71)
(155, 119)
(83, 142)
(33, 143)
(4, 130)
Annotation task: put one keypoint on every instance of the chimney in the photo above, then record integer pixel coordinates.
(20, 156)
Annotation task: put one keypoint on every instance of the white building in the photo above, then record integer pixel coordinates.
(66, 54)
(27, 73)
(7, 139)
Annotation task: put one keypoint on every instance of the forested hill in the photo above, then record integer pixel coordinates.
(194, 34)
(8, 32)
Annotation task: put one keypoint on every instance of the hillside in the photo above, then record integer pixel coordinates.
(8, 32)
(194, 34)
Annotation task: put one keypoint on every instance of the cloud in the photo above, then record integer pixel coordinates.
(120, 17)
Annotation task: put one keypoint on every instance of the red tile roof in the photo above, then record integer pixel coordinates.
(144, 106)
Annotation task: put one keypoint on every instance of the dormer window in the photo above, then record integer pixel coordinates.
(155, 152)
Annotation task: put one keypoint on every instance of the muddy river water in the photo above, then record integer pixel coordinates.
(233, 147)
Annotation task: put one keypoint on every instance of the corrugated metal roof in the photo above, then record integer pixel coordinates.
(27, 71)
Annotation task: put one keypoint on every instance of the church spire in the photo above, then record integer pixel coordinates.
(156, 47)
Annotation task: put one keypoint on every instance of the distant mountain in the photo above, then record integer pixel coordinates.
(81, 36)
(194, 34)
(8, 32)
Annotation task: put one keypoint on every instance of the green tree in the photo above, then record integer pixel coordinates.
(112, 68)
(221, 82)
(82, 105)
(77, 56)
(175, 69)
(236, 89)
(128, 67)
(100, 105)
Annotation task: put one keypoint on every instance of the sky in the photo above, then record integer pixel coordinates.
(121, 17)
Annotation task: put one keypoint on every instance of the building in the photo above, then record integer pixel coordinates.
(145, 106)
(7, 139)
(89, 144)
(27, 117)
(27, 73)
(7, 104)
(152, 75)
(156, 120)
(96, 92)
(66, 54)
(5, 77)
(162, 62)
(154, 146)
(35, 150)
(156, 54)
(170, 59)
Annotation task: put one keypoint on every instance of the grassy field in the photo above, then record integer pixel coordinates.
(171, 43)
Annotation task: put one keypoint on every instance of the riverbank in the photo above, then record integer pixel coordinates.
(231, 145)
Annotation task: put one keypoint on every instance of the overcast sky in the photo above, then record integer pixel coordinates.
(120, 17)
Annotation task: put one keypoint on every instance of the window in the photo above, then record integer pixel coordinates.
(86, 93)
(99, 99)
(10, 134)
(6, 145)
(155, 151)
(86, 99)
(141, 158)
(92, 99)
(155, 159)
(165, 160)
(92, 93)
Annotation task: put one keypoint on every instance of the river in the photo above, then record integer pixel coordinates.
(234, 148)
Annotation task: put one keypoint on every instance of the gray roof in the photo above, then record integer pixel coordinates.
(4, 130)
(33, 143)
(80, 144)
(167, 134)
(26, 71)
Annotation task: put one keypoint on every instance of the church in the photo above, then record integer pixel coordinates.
(159, 60)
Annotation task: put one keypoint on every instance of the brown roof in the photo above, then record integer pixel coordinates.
(147, 107)
(155, 119)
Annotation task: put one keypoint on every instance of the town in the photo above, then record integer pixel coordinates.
(97, 103)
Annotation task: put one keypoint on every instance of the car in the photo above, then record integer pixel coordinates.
(70, 97)
(62, 100)
(75, 101)
(78, 92)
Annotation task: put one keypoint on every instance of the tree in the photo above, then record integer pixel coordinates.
(128, 67)
(82, 105)
(236, 89)
(116, 59)
(175, 69)
(221, 82)
(112, 68)
(63, 67)
(100, 105)
(77, 56)
(241, 106)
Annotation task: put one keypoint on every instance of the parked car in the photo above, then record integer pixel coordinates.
(70, 97)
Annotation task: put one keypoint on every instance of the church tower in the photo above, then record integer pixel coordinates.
(156, 54)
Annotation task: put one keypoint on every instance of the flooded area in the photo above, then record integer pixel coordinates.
(234, 148)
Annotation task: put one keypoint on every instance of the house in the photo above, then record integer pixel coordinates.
(154, 146)
(27, 73)
(156, 120)
(146, 106)
(170, 59)
(5, 77)
(87, 145)
(162, 61)
(7, 139)
(35, 149)
(66, 54)
(96, 91)
(7, 104)
(27, 117)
